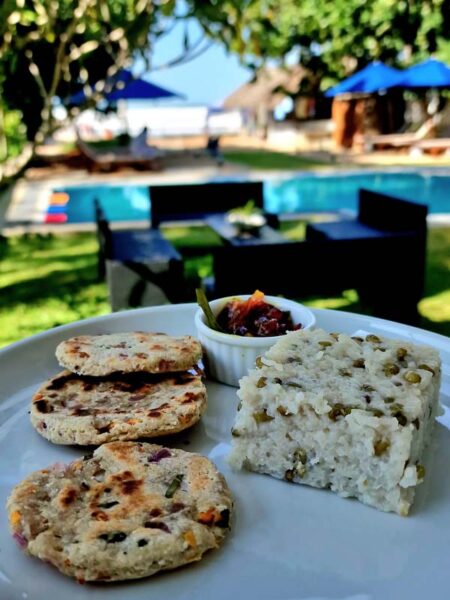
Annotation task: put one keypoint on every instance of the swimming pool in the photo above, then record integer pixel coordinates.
(120, 203)
(304, 193)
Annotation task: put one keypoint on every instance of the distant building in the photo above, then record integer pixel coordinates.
(270, 87)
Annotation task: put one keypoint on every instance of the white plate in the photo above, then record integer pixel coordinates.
(288, 542)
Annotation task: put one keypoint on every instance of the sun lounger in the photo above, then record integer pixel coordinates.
(400, 140)
(145, 157)
(435, 146)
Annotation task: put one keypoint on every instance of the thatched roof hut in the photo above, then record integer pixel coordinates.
(267, 89)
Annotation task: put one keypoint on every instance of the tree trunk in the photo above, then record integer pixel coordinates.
(12, 168)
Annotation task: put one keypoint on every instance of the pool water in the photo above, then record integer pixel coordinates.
(310, 193)
(330, 193)
(119, 203)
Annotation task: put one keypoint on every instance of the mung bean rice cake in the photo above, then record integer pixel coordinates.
(345, 413)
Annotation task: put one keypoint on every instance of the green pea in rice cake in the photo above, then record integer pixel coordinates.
(350, 414)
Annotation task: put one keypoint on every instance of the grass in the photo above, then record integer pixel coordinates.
(51, 280)
(110, 144)
(47, 281)
(435, 306)
(262, 159)
(252, 159)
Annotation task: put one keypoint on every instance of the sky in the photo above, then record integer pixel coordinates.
(208, 79)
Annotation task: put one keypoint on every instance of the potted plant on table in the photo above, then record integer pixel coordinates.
(247, 219)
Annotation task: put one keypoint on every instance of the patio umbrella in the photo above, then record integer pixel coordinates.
(125, 87)
(431, 73)
(376, 76)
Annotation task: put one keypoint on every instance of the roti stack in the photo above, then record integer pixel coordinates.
(120, 387)
(130, 509)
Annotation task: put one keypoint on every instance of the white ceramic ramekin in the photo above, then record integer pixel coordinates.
(229, 357)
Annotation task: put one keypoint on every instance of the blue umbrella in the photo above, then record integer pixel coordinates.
(431, 73)
(125, 87)
(372, 78)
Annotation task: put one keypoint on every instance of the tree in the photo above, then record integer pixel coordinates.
(48, 48)
(51, 48)
(336, 38)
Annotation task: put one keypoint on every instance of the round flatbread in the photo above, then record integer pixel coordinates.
(128, 511)
(71, 409)
(100, 355)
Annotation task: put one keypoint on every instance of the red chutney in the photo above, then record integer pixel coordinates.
(255, 317)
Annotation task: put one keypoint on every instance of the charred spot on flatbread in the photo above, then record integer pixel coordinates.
(92, 410)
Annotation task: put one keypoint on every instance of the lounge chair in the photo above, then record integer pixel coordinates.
(144, 157)
(399, 140)
(435, 147)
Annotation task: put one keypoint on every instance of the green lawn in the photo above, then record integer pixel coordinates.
(251, 159)
(50, 280)
(262, 159)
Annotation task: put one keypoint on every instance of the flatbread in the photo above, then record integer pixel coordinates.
(99, 355)
(74, 409)
(129, 511)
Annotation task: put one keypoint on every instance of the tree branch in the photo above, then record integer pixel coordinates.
(189, 54)
(3, 138)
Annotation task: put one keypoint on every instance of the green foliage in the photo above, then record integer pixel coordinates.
(335, 38)
(345, 35)
(53, 48)
(50, 48)
(14, 131)
(244, 26)
(247, 210)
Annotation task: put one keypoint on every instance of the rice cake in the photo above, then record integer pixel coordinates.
(100, 355)
(72, 409)
(350, 414)
(127, 512)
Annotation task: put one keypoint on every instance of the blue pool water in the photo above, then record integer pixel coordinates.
(300, 194)
(120, 203)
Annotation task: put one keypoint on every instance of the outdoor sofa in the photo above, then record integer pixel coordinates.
(193, 202)
(380, 253)
(141, 266)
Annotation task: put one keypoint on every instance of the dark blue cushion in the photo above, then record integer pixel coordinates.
(347, 230)
(142, 246)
